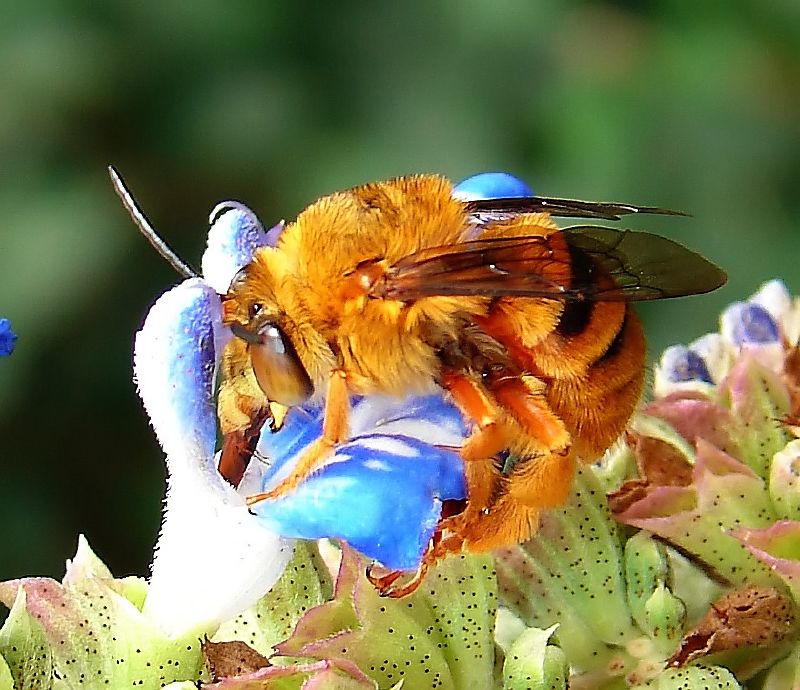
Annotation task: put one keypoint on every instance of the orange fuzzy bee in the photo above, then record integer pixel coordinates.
(398, 287)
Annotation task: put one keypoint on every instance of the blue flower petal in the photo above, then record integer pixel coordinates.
(233, 238)
(7, 338)
(175, 364)
(384, 503)
(746, 323)
(213, 558)
(382, 491)
(775, 297)
(680, 364)
(301, 427)
(491, 185)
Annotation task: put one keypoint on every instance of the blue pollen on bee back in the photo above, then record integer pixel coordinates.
(491, 185)
(683, 364)
(7, 338)
(749, 323)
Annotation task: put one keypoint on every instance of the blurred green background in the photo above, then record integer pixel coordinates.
(694, 106)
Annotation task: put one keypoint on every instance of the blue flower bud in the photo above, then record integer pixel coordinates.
(746, 323)
(7, 338)
(680, 364)
(774, 297)
(491, 185)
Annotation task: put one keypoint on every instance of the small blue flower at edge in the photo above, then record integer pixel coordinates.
(8, 338)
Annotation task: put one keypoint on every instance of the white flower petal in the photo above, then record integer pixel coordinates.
(213, 559)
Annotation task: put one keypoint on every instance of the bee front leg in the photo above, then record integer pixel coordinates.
(242, 409)
(335, 428)
(239, 446)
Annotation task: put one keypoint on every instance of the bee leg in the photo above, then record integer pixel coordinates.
(542, 481)
(334, 431)
(539, 480)
(437, 549)
(239, 446)
(507, 522)
(386, 584)
(242, 410)
(488, 439)
(386, 588)
(382, 583)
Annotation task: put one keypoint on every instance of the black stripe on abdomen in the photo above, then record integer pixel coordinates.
(577, 314)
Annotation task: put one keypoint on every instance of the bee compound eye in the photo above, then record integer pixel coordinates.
(255, 309)
(278, 369)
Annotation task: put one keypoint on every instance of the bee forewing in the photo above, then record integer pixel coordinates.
(617, 266)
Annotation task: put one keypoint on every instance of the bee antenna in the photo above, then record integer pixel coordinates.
(138, 217)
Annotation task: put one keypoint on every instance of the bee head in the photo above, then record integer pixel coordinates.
(252, 314)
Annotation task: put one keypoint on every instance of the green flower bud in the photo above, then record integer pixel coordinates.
(533, 664)
(784, 481)
(645, 571)
(665, 616)
(691, 677)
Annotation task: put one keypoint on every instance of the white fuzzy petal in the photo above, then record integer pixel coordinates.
(212, 559)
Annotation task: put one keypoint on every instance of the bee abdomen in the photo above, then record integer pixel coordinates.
(597, 405)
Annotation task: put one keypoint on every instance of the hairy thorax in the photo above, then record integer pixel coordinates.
(387, 346)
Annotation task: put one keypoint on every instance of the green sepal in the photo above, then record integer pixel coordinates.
(571, 573)
(25, 649)
(757, 399)
(694, 678)
(785, 674)
(85, 629)
(440, 636)
(784, 481)
(6, 680)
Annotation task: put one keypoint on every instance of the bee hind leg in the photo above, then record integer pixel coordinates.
(334, 432)
(542, 479)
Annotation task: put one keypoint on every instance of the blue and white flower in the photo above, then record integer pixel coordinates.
(382, 491)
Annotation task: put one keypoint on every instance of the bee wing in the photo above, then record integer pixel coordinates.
(495, 209)
(577, 263)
